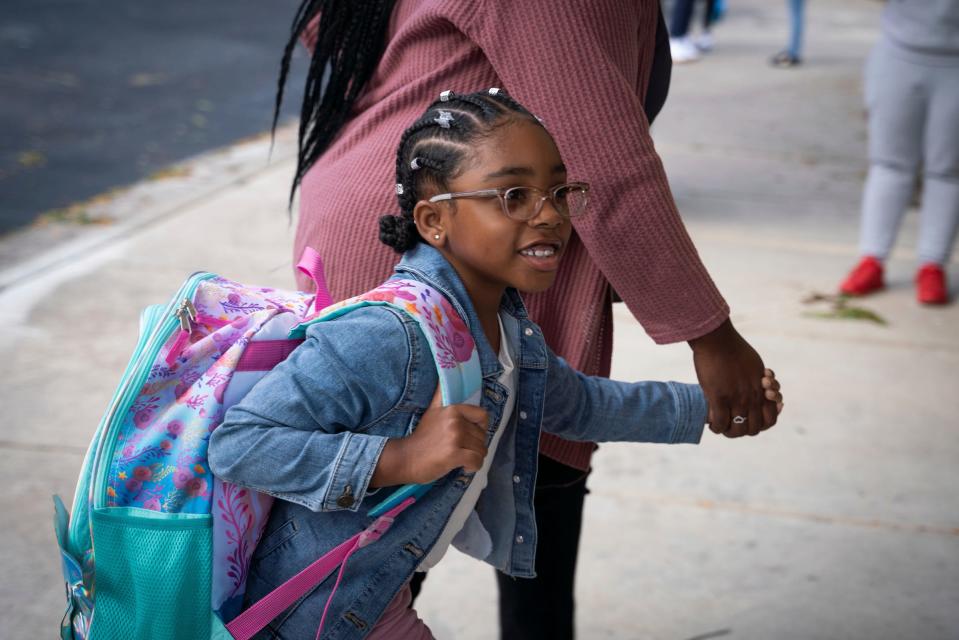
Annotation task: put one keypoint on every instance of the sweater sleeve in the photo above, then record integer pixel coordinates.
(582, 67)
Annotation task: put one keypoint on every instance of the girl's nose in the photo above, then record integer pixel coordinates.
(548, 215)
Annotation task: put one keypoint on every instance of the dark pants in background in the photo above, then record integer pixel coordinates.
(682, 16)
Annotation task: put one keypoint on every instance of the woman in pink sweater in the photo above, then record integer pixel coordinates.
(584, 68)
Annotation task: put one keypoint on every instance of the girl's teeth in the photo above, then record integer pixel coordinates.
(539, 253)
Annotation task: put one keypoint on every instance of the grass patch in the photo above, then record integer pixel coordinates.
(80, 213)
(175, 171)
(840, 308)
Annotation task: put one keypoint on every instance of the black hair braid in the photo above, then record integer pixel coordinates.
(400, 231)
(350, 40)
(505, 100)
(440, 151)
(481, 103)
(304, 12)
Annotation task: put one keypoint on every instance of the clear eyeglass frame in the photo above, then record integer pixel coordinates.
(518, 205)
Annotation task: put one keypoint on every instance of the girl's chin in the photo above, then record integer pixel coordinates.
(538, 284)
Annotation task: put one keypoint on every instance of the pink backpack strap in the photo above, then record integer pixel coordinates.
(263, 355)
(251, 621)
(312, 265)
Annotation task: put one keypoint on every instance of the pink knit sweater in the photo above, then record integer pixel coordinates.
(583, 68)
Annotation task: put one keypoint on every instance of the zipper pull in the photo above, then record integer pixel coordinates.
(186, 312)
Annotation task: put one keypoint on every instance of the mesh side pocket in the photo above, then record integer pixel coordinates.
(152, 575)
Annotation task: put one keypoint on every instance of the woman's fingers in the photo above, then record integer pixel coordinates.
(770, 415)
(720, 418)
(757, 418)
(753, 412)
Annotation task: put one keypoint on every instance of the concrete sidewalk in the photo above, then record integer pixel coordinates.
(842, 522)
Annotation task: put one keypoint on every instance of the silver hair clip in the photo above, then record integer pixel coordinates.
(444, 119)
(399, 188)
(494, 91)
(446, 95)
(415, 164)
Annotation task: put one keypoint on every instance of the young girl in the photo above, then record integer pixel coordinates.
(485, 212)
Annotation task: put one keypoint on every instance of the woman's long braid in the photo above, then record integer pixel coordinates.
(439, 142)
(350, 40)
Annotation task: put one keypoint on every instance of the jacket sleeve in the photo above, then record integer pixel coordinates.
(583, 67)
(591, 408)
(300, 434)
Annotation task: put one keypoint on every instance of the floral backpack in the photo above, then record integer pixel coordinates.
(157, 546)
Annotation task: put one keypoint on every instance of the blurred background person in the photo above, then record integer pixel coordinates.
(912, 96)
(683, 46)
(791, 56)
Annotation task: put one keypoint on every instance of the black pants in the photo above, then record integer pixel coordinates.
(683, 15)
(543, 607)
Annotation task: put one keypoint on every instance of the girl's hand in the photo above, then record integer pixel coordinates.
(445, 438)
(773, 394)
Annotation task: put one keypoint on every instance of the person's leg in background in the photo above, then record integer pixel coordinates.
(939, 211)
(543, 608)
(792, 54)
(705, 41)
(681, 45)
(896, 100)
(797, 21)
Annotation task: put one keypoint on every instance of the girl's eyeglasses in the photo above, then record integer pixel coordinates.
(525, 203)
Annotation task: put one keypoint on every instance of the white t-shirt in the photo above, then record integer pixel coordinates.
(464, 510)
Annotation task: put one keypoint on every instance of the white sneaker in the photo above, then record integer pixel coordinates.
(705, 42)
(683, 50)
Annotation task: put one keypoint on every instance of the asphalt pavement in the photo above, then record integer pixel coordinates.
(98, 95)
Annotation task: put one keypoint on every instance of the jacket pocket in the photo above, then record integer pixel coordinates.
(275, 539)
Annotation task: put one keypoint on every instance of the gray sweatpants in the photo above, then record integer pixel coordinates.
(913, 103)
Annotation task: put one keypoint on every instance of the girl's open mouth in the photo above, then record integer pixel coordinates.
(542, 256)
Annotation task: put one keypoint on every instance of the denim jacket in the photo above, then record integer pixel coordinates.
(311, 432)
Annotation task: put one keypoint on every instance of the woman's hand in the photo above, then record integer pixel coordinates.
(445, 438)
(743, 396)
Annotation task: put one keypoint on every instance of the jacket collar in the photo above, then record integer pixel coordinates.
(428, 264)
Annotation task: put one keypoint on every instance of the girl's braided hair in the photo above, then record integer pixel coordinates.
(433, 149)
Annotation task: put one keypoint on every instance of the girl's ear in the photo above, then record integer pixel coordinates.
(430, 222)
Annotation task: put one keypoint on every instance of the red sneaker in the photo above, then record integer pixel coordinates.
(931, 284)
(865, 278)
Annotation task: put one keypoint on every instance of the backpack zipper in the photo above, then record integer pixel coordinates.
(134, 378)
